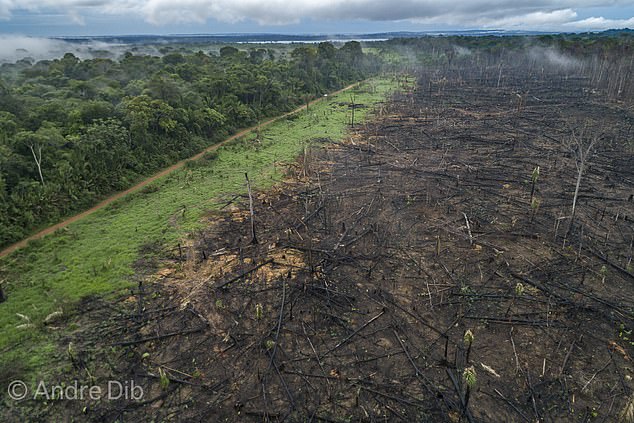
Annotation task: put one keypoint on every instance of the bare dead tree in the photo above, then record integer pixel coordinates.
(38, 159)
(354, 106)
(520, 102)
(500, 75)
(581, 145)
(254, 239)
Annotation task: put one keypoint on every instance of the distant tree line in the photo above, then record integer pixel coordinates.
(605, 59)
(73, 131)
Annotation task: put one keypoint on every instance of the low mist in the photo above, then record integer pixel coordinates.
(17, 47)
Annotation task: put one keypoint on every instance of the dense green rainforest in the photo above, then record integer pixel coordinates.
(73, 131)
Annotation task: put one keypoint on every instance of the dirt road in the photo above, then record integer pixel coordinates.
(151, 179)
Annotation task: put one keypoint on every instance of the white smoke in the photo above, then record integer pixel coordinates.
(550, 56)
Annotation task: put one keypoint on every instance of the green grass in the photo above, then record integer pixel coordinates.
(95, 255)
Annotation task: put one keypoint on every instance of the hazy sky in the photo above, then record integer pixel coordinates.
(115, 17)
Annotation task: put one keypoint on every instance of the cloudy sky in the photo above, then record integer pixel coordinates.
(116, 17)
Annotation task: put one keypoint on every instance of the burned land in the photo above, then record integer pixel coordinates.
(428, 267)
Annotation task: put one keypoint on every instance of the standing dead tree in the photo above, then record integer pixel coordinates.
(254, 239)
(38, 160)
(34, 141)
(353, 107)
(581, 145)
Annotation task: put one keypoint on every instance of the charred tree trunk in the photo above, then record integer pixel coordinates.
(354, 106)
(254, 239)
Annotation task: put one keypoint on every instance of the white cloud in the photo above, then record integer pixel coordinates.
(601, 23)
(5, 9)
(76, 18)
(508, 20)
(516, 14)
(534, 19)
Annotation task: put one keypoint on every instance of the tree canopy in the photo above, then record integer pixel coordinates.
(73, 131)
